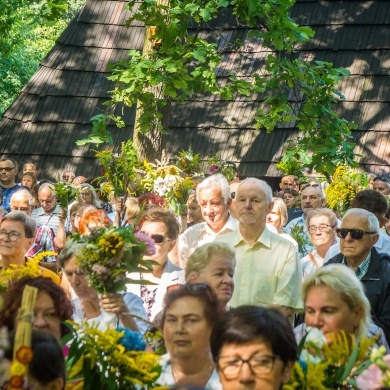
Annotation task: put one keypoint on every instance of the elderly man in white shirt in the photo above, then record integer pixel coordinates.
(213, 196)
(268, 270)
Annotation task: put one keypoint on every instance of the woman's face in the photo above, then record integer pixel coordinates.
(273, 217)
(325, 236)
(86, 196)
(326, 310)
(77, 278)
(159, 229)
(27, 181)
(272, 375)
(194, 212)
(46, 316)
(186, 330)
(218, 274)
(289, 200)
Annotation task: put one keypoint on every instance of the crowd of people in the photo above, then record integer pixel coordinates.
(230, 287)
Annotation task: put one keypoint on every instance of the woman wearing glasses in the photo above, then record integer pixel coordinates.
(321, 225)
(253, 348)
(163, 227)
(189, 314)
(335, 301)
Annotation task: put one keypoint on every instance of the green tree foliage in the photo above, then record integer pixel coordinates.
(183, 64)
(28, 30)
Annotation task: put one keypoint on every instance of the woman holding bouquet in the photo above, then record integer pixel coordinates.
(87, 305)
(335, 301)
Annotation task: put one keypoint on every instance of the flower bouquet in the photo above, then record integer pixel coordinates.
(65, 193)
(377, 375)
(298, 233)
(329, 366)
(188, 162)
(15, 271)
(110, 359)
(110, 253)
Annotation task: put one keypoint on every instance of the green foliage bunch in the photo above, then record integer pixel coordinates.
(299, 92)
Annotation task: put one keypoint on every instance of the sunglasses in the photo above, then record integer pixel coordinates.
(233, 195)
(157, 238)
(355, 233)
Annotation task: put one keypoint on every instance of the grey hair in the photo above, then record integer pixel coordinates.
(372, 220)
(265, 187)
(25, 193)
(30, 226)
(321, 212)
(282, 209)
(342, 280)
(71, 249)
(215, 181)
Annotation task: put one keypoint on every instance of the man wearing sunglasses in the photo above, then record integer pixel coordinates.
(358, 234)
(8, 171)
(376, 203)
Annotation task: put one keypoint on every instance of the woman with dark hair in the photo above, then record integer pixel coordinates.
(51, 306)
(291, 198)
(253, 348)
(189, 314)
(46, 371)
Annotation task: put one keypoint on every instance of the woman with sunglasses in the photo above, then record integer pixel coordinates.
(321, 226)
(162, 226)
(189, 314)
(253, 348)
(335, 301)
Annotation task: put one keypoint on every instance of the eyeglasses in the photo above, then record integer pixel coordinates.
(20, 208)
(322, 228)
(12, 235)
(355, 233)
(157, 238)
(7, 169)
(258, 364)
(85, 193)
(48, 201)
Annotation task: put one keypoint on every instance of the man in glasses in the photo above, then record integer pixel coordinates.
(8, 171)
(268, 270)
(382, 185)
(17, 232)
(47, 214)
(44, 237)
(376, 203)
(358, 234)
(214, 198)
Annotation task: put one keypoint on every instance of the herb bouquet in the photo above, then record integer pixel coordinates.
(110, 253)
(65, 194)
(110, 359)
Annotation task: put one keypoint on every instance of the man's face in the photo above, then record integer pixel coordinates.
(67, 177)
(381, 186)
(311, 198)
(47, 200)
(14, 244)
(30, 168)
(20, 203)
(213, 206)
(252, 205)
(353, 249)
(287, 182)
(7, 172)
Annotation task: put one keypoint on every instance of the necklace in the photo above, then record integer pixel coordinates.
(210, 369)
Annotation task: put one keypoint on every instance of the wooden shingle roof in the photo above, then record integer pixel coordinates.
(70, 86)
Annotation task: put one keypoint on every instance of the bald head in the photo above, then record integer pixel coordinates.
(22, 201)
